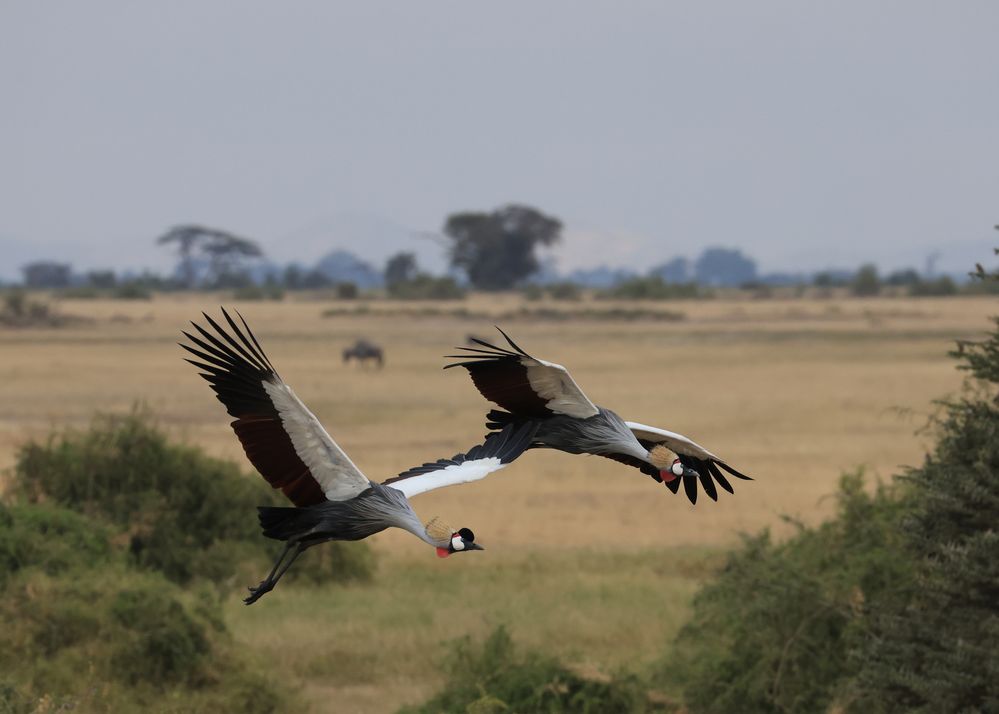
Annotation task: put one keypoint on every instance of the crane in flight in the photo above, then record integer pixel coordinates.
(333, 500)
(544, 394)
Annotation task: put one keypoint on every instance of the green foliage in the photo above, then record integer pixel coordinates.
(938, 650)
(653, 288)
(496, 678)
(333, 563)
(106, 639)
(774, 630)
(50, 539)
(426, 287)
(889, 607)
(184, 513)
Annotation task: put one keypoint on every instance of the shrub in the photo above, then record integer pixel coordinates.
(775, 629)
(496, 678)
(49, 538)
(111, 640)
(185, 513)
(938, 649)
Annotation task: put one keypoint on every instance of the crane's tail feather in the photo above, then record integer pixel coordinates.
(282, 523)
(496, 419)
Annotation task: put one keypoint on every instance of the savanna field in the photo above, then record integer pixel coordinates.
(585, 559)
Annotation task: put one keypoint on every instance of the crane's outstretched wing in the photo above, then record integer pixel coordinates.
(521, 384)
(498, 450)
(707, 466)
(281, 437)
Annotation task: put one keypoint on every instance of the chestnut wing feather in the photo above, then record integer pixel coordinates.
(280, 436)
(521, 384)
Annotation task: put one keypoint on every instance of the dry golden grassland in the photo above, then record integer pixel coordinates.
(586, 558)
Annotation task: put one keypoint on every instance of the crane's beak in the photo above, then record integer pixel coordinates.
(474, 546)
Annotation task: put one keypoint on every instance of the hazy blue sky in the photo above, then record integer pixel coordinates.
(807, 134)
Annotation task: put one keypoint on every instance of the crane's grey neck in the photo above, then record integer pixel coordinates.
(403, 516)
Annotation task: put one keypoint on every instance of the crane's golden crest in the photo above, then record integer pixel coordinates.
(438, 529)
(660, 456)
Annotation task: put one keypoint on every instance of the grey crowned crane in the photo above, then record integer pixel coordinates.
(292, 451)
(533, 391)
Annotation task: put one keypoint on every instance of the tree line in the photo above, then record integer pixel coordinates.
(486, 250)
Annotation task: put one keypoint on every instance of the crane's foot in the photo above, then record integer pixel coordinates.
(258, 592)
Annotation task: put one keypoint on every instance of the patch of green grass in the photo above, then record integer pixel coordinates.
(580, 606)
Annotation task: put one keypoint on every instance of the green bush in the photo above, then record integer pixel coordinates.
(112, 640)
(938, 649)
(775, 629)
(494, 677)
(50, 538)
(184, 513)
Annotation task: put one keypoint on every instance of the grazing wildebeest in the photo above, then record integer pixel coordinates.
(362, 351)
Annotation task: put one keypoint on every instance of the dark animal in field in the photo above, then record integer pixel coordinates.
(533, 391)
(363, 351)
(291, 449)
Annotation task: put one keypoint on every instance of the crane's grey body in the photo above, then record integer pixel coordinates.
(603, 433)
(371, 511)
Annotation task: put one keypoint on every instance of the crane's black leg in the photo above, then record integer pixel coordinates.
(267, 584)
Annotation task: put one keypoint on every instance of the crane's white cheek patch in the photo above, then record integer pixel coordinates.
(677, 468)
(458, 543)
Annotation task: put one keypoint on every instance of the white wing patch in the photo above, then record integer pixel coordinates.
(339, 478)
(676, 442)
(450, 475)
(553, 383)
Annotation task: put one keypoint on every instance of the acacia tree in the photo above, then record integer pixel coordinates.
(222, 249)
(497, 249)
